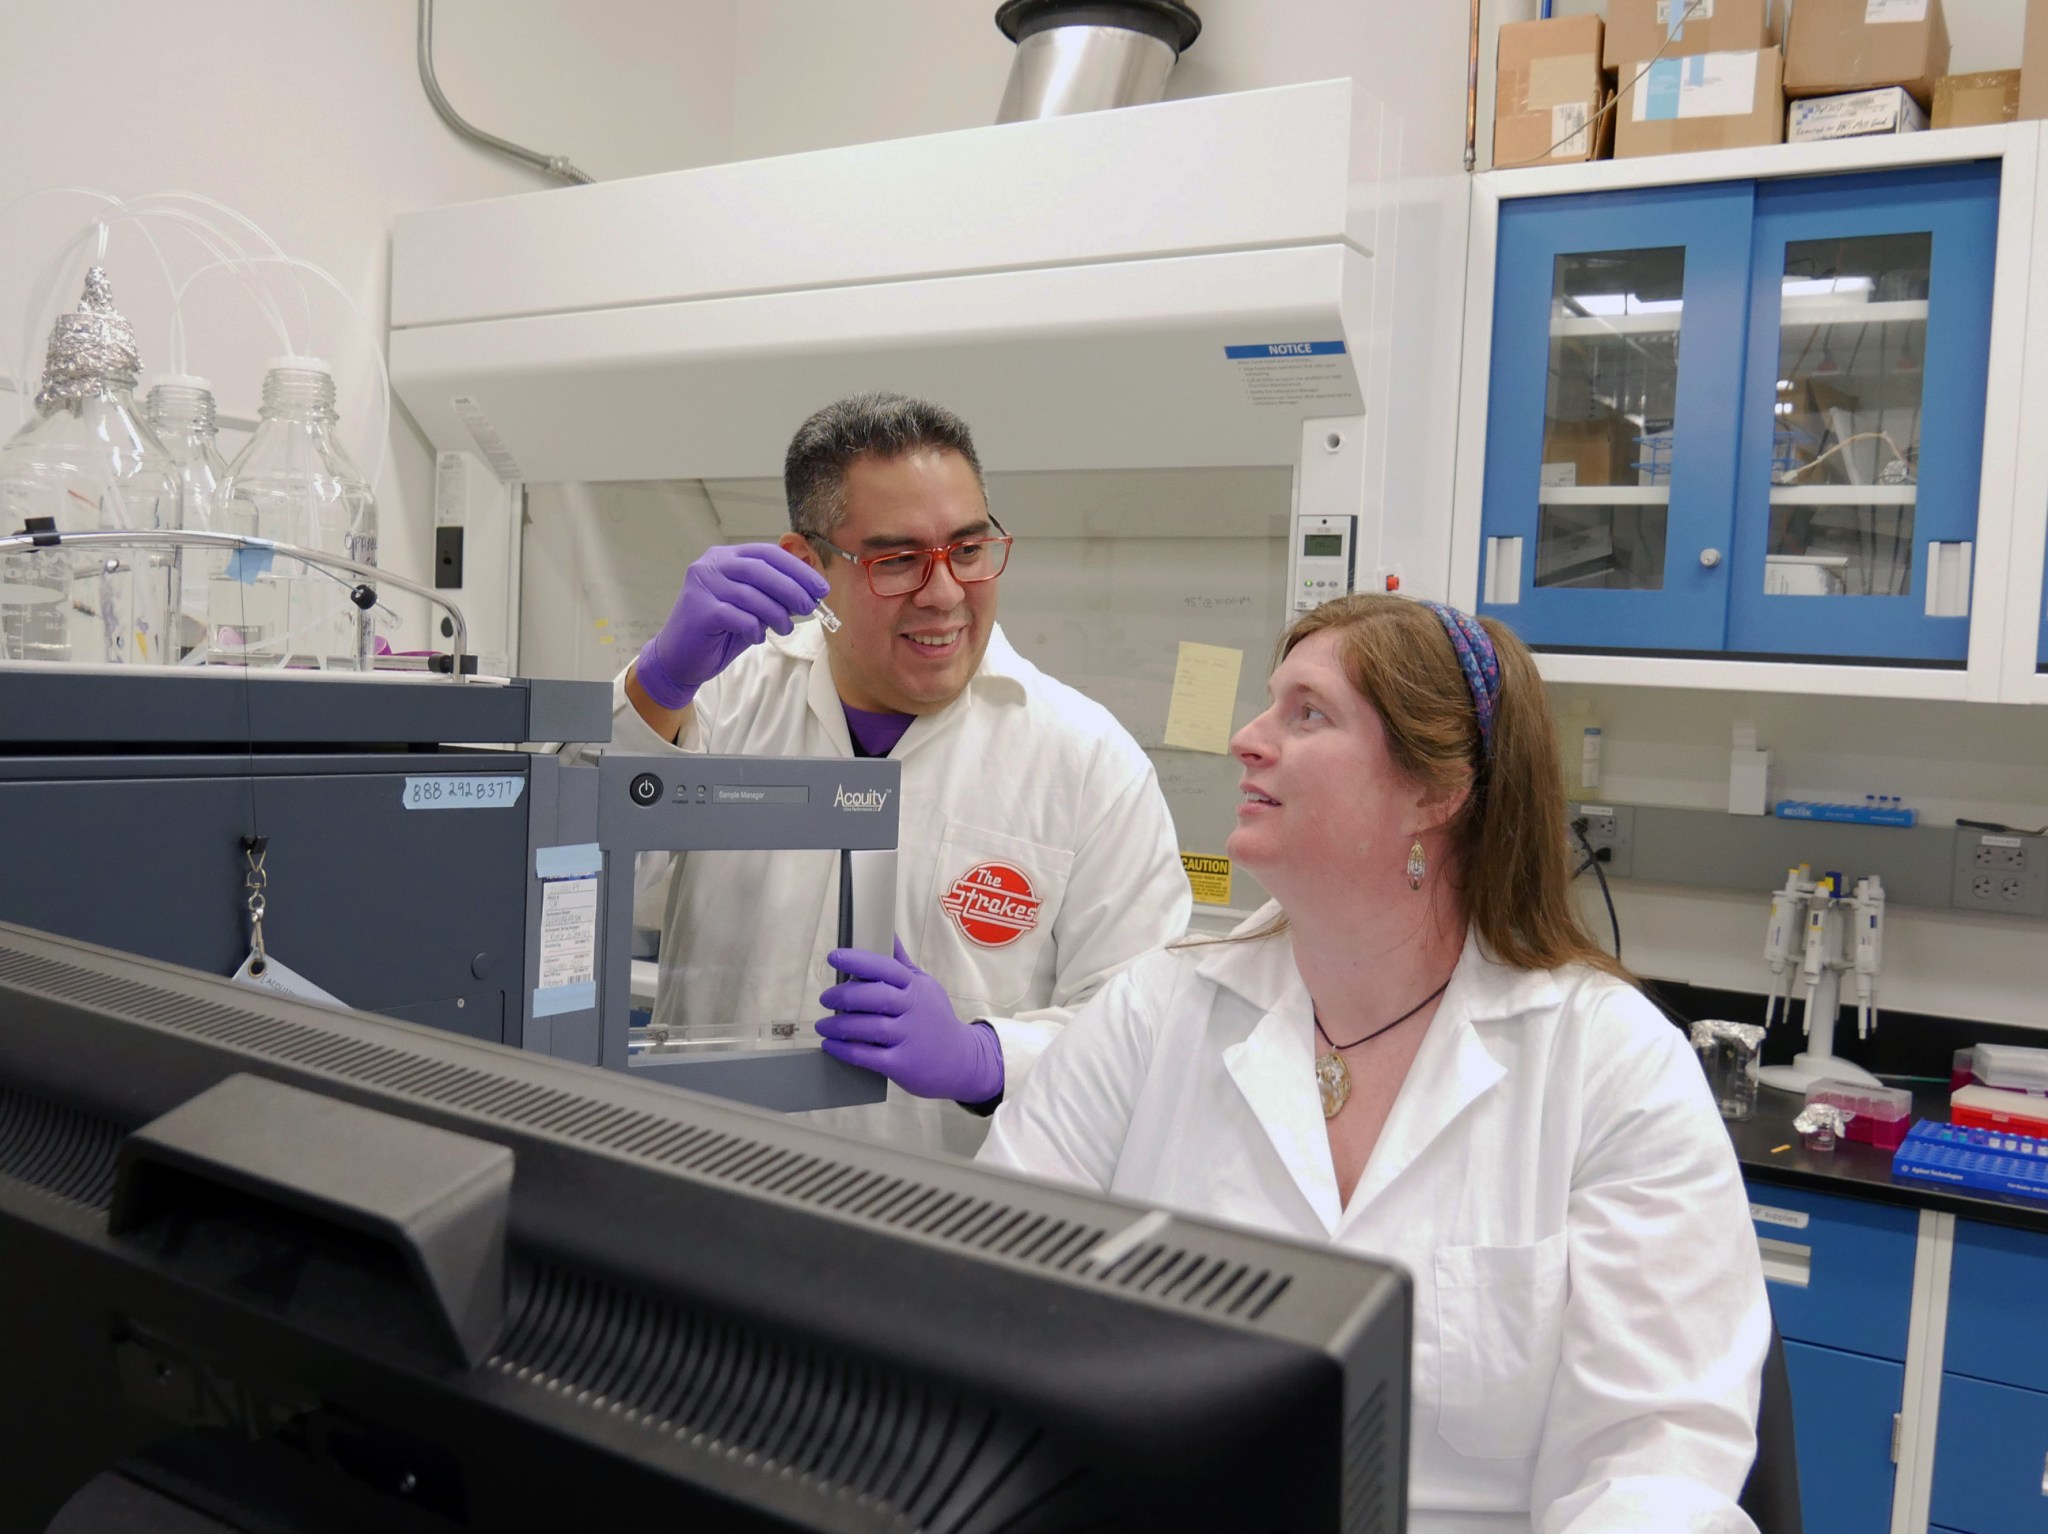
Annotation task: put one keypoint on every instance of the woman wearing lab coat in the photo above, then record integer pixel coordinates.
(1416, 1052)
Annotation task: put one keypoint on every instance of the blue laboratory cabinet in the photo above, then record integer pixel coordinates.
(1742, 419)
(1840, 1276)
(1991, 1454)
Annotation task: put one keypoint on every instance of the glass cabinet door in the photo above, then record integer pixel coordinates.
(1612, 427)
(1863, 416)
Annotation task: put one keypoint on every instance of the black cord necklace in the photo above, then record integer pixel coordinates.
(1333, 1076)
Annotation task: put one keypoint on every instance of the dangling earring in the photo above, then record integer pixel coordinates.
(1418, 865)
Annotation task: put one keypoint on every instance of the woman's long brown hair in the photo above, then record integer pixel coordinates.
(1509, 838)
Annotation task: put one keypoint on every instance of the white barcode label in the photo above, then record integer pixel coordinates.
(1699, 10)
(1568, 136)
(1875, 11)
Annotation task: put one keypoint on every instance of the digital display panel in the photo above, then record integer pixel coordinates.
(1322, 545)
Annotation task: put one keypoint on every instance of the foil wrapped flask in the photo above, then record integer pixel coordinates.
(294, 483)
(87, 463)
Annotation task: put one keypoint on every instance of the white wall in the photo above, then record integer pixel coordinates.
(1980, 761)
(814, 73)
(309, 118)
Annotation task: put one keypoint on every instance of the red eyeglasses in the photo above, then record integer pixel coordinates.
(899, 572)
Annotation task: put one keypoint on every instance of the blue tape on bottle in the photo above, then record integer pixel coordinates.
(246, 564)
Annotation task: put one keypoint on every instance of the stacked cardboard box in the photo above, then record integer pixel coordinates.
(1704, 101)
(1856, 114)
(1964, 101)
(1835, 46)
(1599, 450)
(1549, 93)
(1695, 74)
(2034, 62)
(1640, 30)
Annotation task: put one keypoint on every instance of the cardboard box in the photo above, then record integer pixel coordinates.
(2034, 62)
(1859, 114)
(1548, 92)
(1706, 101)
(1600, 450)
(1968, 101)
(1834, 46)
(1638, 29)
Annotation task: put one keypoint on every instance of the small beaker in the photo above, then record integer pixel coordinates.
(1819, 1125)
(1728, 1055)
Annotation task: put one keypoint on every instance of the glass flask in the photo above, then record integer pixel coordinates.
(180, 410)
(294, 483)
(87, 463)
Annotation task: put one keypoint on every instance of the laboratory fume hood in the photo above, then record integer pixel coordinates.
(1192, 339)
(1087, 291)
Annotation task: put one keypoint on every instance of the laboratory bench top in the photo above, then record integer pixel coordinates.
(1769, 1150)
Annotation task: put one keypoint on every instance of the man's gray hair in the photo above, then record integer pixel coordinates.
(885, 425)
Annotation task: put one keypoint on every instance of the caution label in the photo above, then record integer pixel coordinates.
(1209, 878)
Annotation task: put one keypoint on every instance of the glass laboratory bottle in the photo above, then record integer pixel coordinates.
(179, 409)
(86, 462)
(294, 483)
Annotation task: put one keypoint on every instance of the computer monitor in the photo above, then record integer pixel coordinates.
(267, 1266)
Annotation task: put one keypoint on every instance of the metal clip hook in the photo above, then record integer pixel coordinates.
(256, 881)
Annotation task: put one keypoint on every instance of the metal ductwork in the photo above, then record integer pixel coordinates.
(1086, 57)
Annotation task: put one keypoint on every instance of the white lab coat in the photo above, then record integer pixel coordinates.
(1020, 770)
(1590, 1318)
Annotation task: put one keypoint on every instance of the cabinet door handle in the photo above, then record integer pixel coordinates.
(1709, 558)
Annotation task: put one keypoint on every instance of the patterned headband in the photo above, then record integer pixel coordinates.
(1477, 660)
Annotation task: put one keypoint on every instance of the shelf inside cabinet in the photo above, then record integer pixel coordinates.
(1844, 495)
(1621, 324)
(1833, 311)
(1604, 495)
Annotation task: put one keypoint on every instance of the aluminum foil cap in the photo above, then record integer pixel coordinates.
(90, 345)
(1817, 1116)
(1710, 1031)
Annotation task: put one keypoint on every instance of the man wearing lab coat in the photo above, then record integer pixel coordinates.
(1036, 855)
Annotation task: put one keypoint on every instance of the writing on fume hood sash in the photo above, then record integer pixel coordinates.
(1294, 373)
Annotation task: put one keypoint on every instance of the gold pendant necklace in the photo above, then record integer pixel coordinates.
(1333, 1076)
(1333, 1081)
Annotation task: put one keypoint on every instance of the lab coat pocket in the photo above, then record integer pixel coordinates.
(1500, 1324)
(987, 926)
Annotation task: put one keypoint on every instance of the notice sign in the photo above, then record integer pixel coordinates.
(1210, 878)
(1297, 373)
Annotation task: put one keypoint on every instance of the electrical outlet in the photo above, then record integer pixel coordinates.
(1998, 873)
(1608, 826)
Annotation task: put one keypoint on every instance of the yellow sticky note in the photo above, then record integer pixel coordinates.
(1204, 696)
(1209, 877)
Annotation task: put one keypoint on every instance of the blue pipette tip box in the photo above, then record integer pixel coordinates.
(1853, 814)
(1986, 1160)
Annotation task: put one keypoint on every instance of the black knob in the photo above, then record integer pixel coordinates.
(447, 628)
(364, 596)
(645, 789)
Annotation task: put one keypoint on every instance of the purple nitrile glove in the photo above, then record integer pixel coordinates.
(892, 1017)
(731, 598)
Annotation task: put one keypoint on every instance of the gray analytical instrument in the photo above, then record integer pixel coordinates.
(482, 891)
